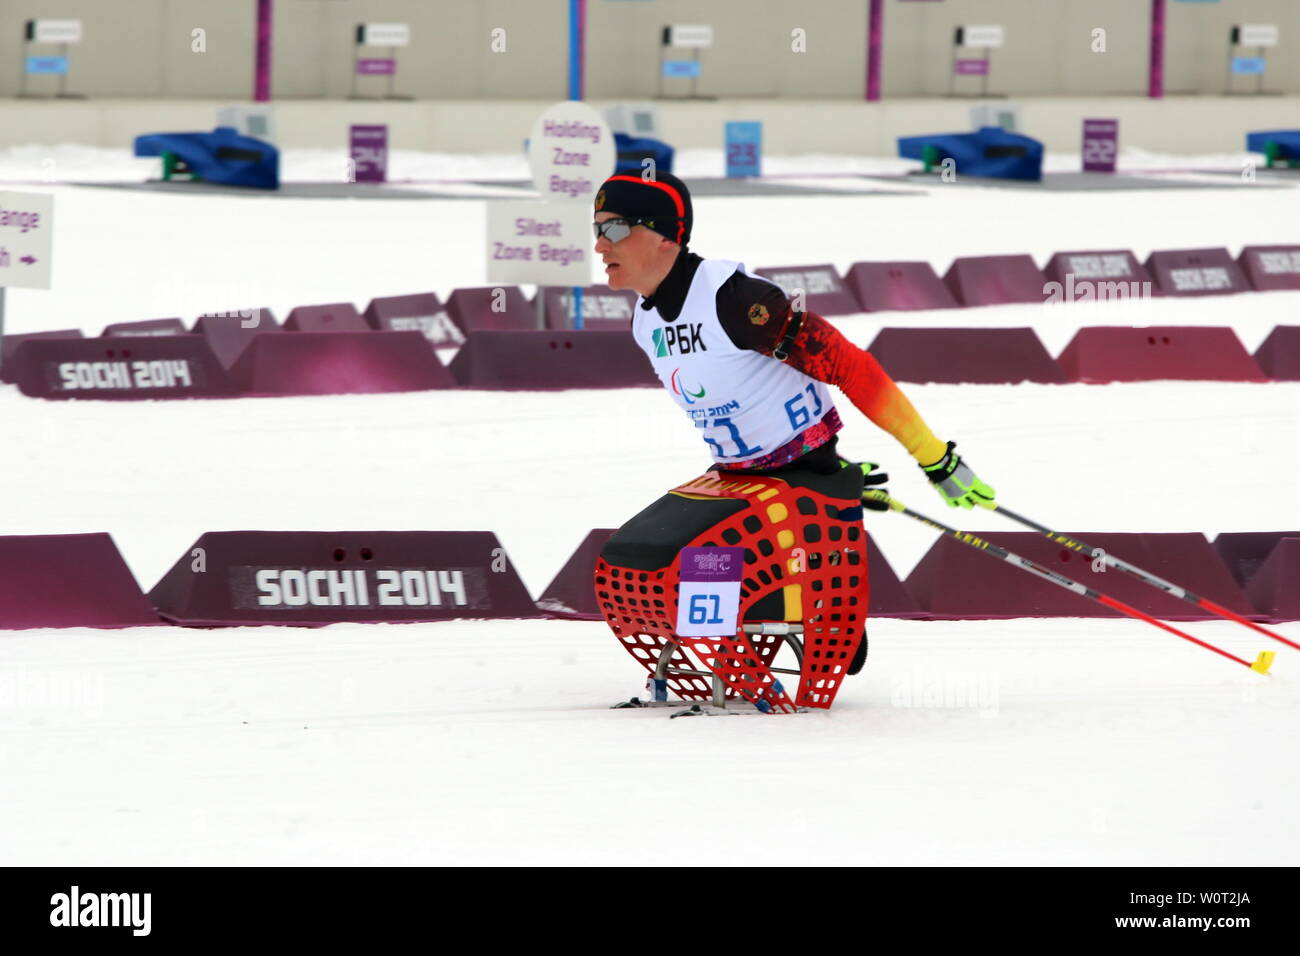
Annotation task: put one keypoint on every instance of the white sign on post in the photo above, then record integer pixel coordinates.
(1257, 34)
(985, 35)
(385, 34)
(26, 230)
(570, 152)
(54, 31)
(542, 243)
(689, 35)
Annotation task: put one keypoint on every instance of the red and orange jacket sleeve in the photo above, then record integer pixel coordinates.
(758, 315)
(821, 352)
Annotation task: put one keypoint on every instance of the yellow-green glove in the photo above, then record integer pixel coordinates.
(958, 485)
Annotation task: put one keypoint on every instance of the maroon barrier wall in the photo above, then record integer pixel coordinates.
(145, 328)
(168, 366)
(1196, 272)
(572, 593)
(68, 580)
(473, 309)
(988, 356)
(422, 312)
(1279, 354)
(956, 581)
(332, 317)
(1103, 274)
(889, 596)
(1116, 354)
(322, 577)
(1244, 551)
(1271, 268)
(335, 363)
(602, 308)
(11, 343)
(898, 286)
(995, 280)
(537, 359)
(1275, 588)
(229, 334)
(823, 290)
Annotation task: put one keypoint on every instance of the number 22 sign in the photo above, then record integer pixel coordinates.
(708, 597)
(1100, 144)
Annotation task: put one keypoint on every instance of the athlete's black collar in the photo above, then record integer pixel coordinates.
(671, 294)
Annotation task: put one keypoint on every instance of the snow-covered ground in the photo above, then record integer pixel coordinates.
(1020, 742)
(490, 742)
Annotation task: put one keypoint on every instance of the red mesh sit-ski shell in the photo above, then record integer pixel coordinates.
(791, 535)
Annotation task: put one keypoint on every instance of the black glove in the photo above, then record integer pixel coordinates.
(873, 480)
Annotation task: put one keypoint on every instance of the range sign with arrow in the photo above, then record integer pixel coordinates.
(26, 230)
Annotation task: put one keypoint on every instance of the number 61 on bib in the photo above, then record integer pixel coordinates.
(708, 597)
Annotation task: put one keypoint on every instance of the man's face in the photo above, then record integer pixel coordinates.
(634, 262)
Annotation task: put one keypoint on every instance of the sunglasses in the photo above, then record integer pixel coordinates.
(618, 228)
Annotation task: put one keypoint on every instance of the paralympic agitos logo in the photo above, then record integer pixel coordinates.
(680, 339)
(680, 388)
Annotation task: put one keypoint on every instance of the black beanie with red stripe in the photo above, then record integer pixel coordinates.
(663, 202)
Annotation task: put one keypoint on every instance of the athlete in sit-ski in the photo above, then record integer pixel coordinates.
(749, 370)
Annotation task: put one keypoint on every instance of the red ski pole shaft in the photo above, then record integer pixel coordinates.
(1260, 666)
(1146, 577)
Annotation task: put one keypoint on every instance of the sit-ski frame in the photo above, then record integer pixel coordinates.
(792, 632)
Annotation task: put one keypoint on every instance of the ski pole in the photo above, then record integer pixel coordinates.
(1261, 665)
(1144, 576)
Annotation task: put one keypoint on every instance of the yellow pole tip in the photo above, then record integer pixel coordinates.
(1263, 662)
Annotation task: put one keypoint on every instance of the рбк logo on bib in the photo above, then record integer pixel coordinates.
(684, 339)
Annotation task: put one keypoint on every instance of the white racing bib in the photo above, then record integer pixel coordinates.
(745, 404)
